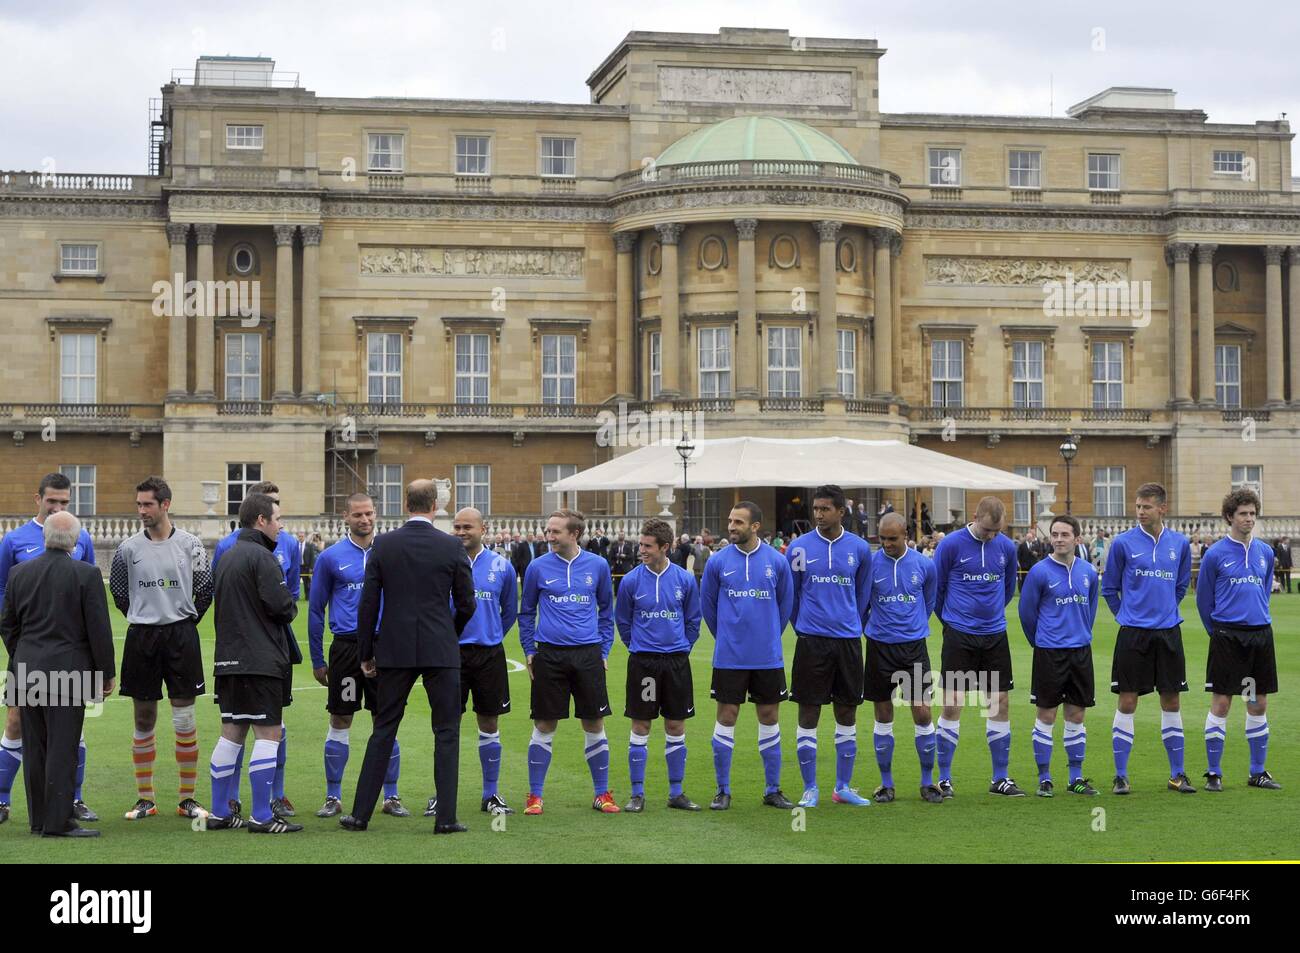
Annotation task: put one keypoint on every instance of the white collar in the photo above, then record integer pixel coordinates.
(422, 519)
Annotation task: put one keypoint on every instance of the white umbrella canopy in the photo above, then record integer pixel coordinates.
(770, 461)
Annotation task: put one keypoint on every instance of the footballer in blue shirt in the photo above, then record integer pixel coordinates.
(976, 570)
(27, 542)
(1148, 571)
(1058, 605)
(748, 596)
(657, 611)
(832, 597)
(1232, 596)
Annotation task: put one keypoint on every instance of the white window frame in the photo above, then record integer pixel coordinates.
(1025, 169)
(1020, 499)
(1021, 371)
(74, 259)
(938, 157)
(784, 361)
(633, 503)
(76, 384)
(1228, 162)
(1097, 175)
(552, 473)
(943, 380)
(656, 345)
(1108, 494)
(713, 361)
(559, 367)
(1249, 475)
(386, 152)
(567, 160)
(82, 492)
(473, 365)
(846, 363)
(467, 162)
(389, 344)
(1107, 389)
(245, 136)
(1227, 392)
(239, 375)
(474, 486)
(243, 479)
(385, 485)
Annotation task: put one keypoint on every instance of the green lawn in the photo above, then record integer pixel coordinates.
(1152, 824)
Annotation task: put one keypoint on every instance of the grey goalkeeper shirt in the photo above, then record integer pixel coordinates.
(157, 583)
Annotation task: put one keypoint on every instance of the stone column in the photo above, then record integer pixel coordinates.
(177, 322)
(311, 236)
(827, 233)
(746, 312)
(1178, 254)
(883, 321)
(1293, 307)
(867, 357)
(1205, 325)
(624, 243)
(1273, 324)
(283, 311)
(669, 314)
(205, 333)
(896, 306)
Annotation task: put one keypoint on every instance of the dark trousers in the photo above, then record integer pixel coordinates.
(442, 685)
(51, 737)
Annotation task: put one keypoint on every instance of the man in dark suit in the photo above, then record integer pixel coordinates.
(539, 544)
(56, 630)
(622, 558)
(1027, 553)
(420, 572)
(521, 554)
(308, 549)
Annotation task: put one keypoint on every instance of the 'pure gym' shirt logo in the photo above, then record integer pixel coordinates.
(76, 906)
(1067, 600)
(750, 593)
(834, 579)
(160, 583)
(1154, 573)
(980, 576)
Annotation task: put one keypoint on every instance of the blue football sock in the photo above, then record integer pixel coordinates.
(1257, 738)
(1215, 732)
(394, 770)
(337, 749)
(637, 752)
(1076, 745)
(597, 751)
(222, 771)
(724, 741)
(805, 749)
(925, 746)
(1121, 740)
(81, 769)
(489, 759)
(539, 759)
(846, 753)
(281, 752)
(11, 759)
(948, 733)
(261, 775)
(882, 734)
(675, 755)
(998, 734)
(769, 749)
(1042, 739)
(1171, 730)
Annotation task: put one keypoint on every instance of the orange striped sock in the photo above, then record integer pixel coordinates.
(142, 754)
(187, 760)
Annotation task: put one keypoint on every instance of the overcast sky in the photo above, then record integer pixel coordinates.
(77, 75)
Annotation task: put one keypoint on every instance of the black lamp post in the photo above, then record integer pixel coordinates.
(684, 450)
(1068, 451)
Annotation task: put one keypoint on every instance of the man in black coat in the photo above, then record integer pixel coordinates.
(56, 630)
(540, 547)
(420, 572)
(1027, 554)
(521, 554)
(1282, 562)
(622, 558)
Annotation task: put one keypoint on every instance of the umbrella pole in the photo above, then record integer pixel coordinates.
(916, 514)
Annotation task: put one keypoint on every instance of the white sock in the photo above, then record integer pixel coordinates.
(952, 727)
(845, 732)
(882, 728)
(1124, 722)
(339, 735)
(640, 740)
(1168, 719)
(923, 730)
(543, 738)
(725, 734)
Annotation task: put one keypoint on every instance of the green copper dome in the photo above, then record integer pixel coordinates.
(756, 137)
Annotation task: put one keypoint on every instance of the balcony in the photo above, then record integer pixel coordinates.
(76, 184)
(785, 172)
(82, 418)
(484, 418)
(245, 408)
(791, 405)
(1109, 421)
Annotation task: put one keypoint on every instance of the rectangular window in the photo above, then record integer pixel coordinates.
(946, 373)
(243, 137)
(1103, 172)
(784, 362)
(82, 493)
(243, 367)
(1107, 375)
(239, 477)
(1251, 478)
(656, 365)
(474, 487)
(1021, 515)
(1107, 491)
(472, 155)
(1227, 376)
(384, 483)
(1229, 162)
(633, 503)
(385, 152)
(384, 368)
(1027, 373)
(551, 472)
(79, 259)
(471, 368)
(846, 363)
(1025, 169)
(945, 168)
(715, 362)
(559, 156)
(77, 368)
(559, 369)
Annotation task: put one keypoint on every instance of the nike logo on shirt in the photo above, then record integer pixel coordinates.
(549, 581)
(729, 572)
(31, 549)
(344, 566)
(1053, 585)
(967, 559)
(811, 561)
(882, 579)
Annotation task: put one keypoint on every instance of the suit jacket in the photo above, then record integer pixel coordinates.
(56, 617)
(521, 554)
(309, 553)
(420, 571)
(622, 557)
(540, 548)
